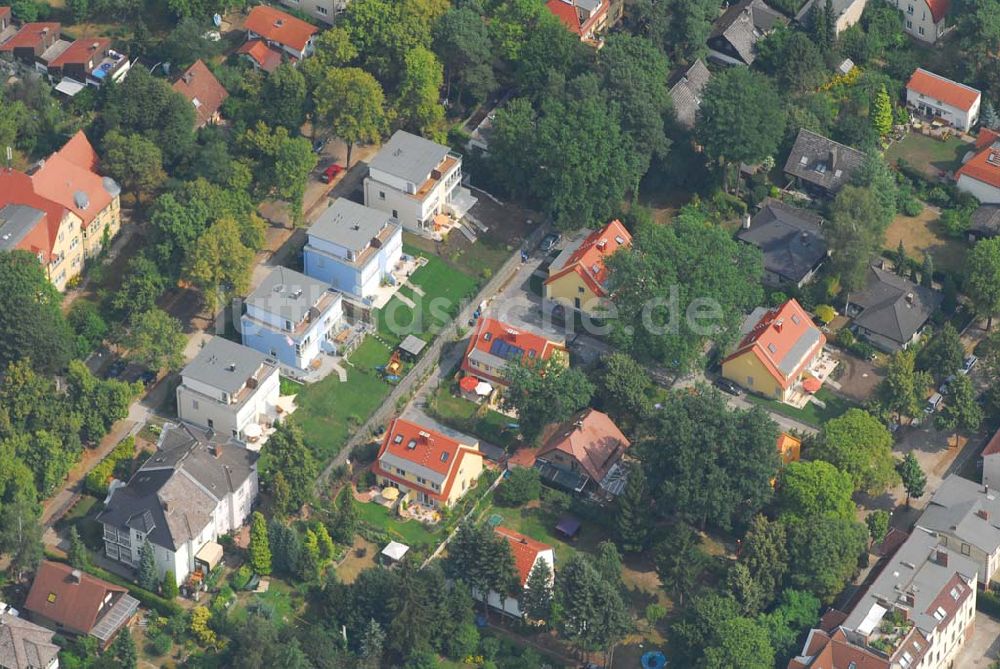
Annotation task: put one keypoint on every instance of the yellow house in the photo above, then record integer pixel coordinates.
(69, 177)
(434, 469)
(29, 222)
(778, 348)
(578, 278)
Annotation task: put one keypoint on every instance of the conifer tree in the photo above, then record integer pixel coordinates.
(260, 546)
(147, 568)
(881, 112)
(633, 513)
(536, 602)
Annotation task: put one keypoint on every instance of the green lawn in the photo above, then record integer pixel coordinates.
(812, 414)
(329, 411)
(928, 154)
(444, 288)
(410, 532)
(464, 415)
(371, 354)
(470, 259)
(539, 522)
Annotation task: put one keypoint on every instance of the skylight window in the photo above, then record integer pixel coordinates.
(955, 592)
(487, 336)
(796, 319)
(939, 614)
(412, 444)
(772, 348)
(444, 457)
(52, 598)
(398, 439)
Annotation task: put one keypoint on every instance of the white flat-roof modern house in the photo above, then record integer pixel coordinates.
(228, 388)
(353, 248)
(417, 180)
(292, 317)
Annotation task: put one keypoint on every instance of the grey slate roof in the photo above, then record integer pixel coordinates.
(790, 238)
(804, 15)
(744, 24)
(894, 307)
(288, 294)
(686, 93)
(913, 569)
(409, 157)
(25, 645)
(822, 161)
(16, 221)
(986, 221)
(172, 496)
(225, 365)
(956, 508)
(350, 224)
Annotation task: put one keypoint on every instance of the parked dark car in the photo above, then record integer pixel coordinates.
(548, 242)
(727, 386)
(148, 377)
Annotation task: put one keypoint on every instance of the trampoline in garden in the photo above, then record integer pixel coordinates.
(654, 659)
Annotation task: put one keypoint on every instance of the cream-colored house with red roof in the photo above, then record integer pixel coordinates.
(980, 175)
(426, 466)
(939, 97)
(281, 30)
(495, 343)
(778, 348)
(69, 177)
(578, 276)
(923, 19)
(527, 553)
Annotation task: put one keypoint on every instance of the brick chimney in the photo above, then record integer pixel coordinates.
(983, 513)
(942, 558)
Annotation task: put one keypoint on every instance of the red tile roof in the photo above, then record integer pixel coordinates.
(588, 259)
(939, 9)
(16, 188)
(198, 83)
(569, 15)
(4, 12)
(497, 338)
(986, 137)
(984, 166)
(67, 173)
(776, 335)
(525, 550)
(835, 651)
(31, 35)
(592, 439)
(940, 88)
(267, 58)
(432, 450)
(993, 446)
(83, 51)
(76, 605)
(275, 25)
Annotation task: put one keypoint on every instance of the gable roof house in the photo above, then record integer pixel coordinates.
(195, 488)
(980, 175)
(588, 19)
(917, 612)
(495, 343)
(891, 311)
(279, 31)
(735, 34)
(820, 164)
(791, 240)
(31, 41)
(527, 553)
(686, 93)
(353, 248)
(70, 177)
(586, 448)
(966, 517)
(939, 97)
(578, 276)
(418, 182)
(427, 466)
(777, 352)
(200, 87)
(25, 645)
(846, 13)
(231, 389)
(69, 601)
(925, 20)
(292, 317)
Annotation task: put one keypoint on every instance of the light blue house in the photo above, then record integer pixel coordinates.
(292, 317)
(353, 248)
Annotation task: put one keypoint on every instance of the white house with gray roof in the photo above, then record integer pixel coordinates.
(196, 487)
(966, 517)
(415, 180)
(292, 317)
(229, 387)
(353, 248)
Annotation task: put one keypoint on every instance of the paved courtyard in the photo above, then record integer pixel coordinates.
(984, 647)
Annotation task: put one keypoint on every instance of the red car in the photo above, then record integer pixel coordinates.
(331, 172)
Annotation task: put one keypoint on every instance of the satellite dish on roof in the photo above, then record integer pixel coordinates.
(217, 20)
(81, 200)
(110, 185)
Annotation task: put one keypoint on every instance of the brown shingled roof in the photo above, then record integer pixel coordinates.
(75, 602)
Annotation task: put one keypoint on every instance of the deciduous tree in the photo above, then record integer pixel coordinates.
(156, 340)
(982, 279)
(943, 353)
(286, 453)
(878, 524)
(902, 391)
(463, 43)
(31, 320)
(351, 102)
(740, 644)
(220, 264)
(544, 392)
(813, 489)
(859, 445)
(854, 235)
(824, 554)
(961, 411)
(624, 387)
(418, 105)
